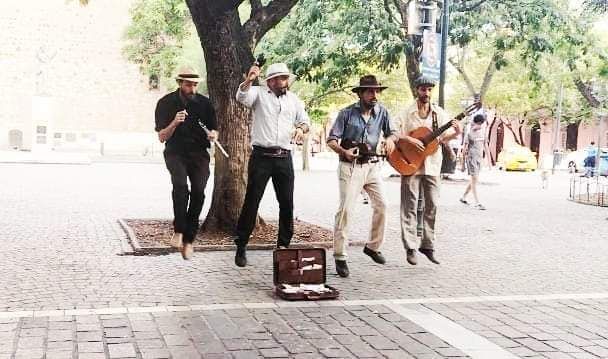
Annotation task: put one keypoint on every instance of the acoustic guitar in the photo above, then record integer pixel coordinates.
(406, 159)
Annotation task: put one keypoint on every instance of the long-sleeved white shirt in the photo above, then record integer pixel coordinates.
(274, 118)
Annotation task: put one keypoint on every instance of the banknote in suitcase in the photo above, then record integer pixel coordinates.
(300, 274)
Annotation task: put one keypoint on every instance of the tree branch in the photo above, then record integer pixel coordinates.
(391, 18)
(265, 18)
(316, 99)
(224, 5)
(255, 5)
(471, 7)
(466, 78)
(487, 78)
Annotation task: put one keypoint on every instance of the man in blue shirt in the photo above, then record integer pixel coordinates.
(358, 126)
(590, 159)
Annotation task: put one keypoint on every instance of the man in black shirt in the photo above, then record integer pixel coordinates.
(179, 116)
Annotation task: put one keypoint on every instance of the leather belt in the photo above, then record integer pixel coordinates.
(277, 152)
(359, 160)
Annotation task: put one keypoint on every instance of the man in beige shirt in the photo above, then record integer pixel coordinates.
(423, 113)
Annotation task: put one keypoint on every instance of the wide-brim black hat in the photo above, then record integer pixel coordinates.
(368, 82)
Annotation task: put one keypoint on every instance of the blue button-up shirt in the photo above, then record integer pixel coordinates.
(350, 125)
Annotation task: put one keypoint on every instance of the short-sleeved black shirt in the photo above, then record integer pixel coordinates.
(188, 136)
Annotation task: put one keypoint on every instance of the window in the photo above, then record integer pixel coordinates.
(41, 140)
(57, 135)
(41, 130)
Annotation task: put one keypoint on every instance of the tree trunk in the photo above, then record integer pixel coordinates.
(413, 50)
(227, 58)
(306, 153)
(492, 158)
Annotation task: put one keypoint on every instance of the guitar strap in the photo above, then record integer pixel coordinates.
(435, 124)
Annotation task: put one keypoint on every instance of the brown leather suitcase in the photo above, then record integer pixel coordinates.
(300, 274)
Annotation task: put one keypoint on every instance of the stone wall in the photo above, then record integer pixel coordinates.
(72, 56)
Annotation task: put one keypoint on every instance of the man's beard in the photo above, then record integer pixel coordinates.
(370, 104)
(424, 99)
(280, 91)
(187, 96)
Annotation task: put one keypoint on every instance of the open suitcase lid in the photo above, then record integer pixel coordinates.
(299, 266)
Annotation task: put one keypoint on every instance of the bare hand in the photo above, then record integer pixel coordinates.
(389, 146)
(254, 73)
(298, 136)
(180, 117)
(416, 142)
(212, 135)
(350, 154)
(456, 127)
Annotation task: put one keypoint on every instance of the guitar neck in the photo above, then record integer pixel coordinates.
(443, 128)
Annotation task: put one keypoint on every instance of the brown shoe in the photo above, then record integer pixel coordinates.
(176, 240)
(411, 257)
(187, 251)
(429, 253)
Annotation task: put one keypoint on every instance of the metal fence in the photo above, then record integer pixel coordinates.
(589, 190)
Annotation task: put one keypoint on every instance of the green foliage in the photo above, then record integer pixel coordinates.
(329, 42)
(156, 35)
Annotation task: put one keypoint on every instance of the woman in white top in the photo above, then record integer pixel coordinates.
(474, 147)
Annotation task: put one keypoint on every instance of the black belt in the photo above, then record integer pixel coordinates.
(361, 160)
(277, 152)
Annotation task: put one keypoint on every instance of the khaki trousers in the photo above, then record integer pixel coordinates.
(410, 189)
(352, 179)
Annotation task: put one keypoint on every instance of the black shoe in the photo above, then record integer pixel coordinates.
(429, 253)
(411, 257)
(240, 259)
(342, 268)
(376, 256)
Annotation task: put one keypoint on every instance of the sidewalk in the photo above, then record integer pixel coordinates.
(517, 280)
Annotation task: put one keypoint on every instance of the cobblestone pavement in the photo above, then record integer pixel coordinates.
(332, 332)
(61, 250)
(547, 329)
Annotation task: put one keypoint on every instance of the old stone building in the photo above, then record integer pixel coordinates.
(64, 81)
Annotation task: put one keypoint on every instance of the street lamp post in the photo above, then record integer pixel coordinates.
(445, 24)
(600, 89)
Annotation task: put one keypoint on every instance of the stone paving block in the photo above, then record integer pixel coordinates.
(91, 356)
(380, 343)
(90, 347)
(535, 345)
(58, 355)
(29, 354)
(30, 342)
(121, 351)
(247, 354)
(396, 354)
(336, 353)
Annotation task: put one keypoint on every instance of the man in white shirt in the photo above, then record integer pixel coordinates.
(423, 113)
(279, 119)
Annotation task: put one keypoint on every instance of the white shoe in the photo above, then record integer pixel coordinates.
(176, 240)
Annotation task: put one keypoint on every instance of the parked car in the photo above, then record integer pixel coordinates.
(517, 158)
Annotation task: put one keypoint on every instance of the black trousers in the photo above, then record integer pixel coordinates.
(262, 168)
(187, 204)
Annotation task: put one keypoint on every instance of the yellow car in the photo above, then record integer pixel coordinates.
(517, 158)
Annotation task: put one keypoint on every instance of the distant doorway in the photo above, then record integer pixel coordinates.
(15, 139)
(572, 136)
(535, 140)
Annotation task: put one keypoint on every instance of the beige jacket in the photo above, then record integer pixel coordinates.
(411, 121)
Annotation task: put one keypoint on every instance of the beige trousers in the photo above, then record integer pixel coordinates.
(410, 187)
(352, 179)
